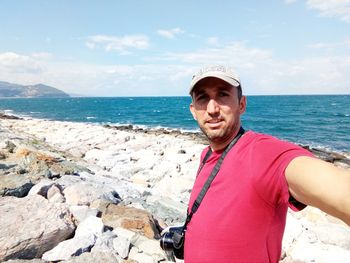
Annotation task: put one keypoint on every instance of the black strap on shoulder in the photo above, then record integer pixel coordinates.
(214, 172)
(206, 157)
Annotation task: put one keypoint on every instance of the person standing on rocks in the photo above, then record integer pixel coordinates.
(242, 216)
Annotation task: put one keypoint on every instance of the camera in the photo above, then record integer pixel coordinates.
(173, 240)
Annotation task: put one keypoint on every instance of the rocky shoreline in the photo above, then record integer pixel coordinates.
(78, 192)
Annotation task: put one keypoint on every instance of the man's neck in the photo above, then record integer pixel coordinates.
(219, 146)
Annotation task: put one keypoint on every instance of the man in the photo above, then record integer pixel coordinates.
(242, 216)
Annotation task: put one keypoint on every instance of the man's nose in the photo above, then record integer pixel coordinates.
(213, 106)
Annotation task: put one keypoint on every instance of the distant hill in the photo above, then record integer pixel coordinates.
(10, 90)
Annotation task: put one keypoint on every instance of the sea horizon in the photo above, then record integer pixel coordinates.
(317, 120)
(171, 96)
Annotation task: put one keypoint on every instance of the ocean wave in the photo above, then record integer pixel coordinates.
(150, 127)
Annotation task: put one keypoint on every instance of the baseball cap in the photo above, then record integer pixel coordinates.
(226, 73)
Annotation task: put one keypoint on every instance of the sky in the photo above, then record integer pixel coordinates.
(153, 48)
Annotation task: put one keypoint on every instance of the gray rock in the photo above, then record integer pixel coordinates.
(10, 146)
(7, 168)
(104, 242)
(31, 225)
(36, 260)
(14, 185)
(2, 155)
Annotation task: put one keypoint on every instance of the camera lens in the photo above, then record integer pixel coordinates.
(166, 241)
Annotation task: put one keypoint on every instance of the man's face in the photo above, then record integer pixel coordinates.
(217, 109)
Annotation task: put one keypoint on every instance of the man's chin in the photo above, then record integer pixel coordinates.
(214, 136)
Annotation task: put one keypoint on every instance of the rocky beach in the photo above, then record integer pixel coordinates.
(79, 192)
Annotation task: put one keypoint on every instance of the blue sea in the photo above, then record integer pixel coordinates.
(319, 121)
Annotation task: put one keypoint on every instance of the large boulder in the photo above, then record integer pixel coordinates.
(84, 239)
(31, 225)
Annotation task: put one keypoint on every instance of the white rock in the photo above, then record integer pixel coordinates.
(90, 226)
(175, 188)
(317, 241)
(167, 202)
(122, 246)
(144, 258)
(333, 234)
(150, 247)
(68, 180)
(41, 188)
(81, 212)
(53, 190)
(70, 248)
(304, 251)
(84, 193)
(125, 233)
(293, 230)
(96, 256)
(57, 198)
(104, 158)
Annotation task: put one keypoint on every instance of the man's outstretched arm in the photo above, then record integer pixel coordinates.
(320, 184)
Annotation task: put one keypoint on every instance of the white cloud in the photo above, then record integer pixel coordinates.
(42, 55)
(20, 64)
(170, 33)
(264, 73)
(260, 70)
(333, 45)
(236, 53)
(332, 8)
(119, 44)
(95, 80)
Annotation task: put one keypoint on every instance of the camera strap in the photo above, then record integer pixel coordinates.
(213, 173)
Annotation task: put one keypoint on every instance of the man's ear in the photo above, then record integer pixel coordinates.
(193, 111)
(242, 104)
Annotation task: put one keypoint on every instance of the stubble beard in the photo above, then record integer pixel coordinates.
(220, 135)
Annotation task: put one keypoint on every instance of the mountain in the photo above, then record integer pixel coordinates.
(10, 90)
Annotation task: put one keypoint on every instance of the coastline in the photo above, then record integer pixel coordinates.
(153, 170)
